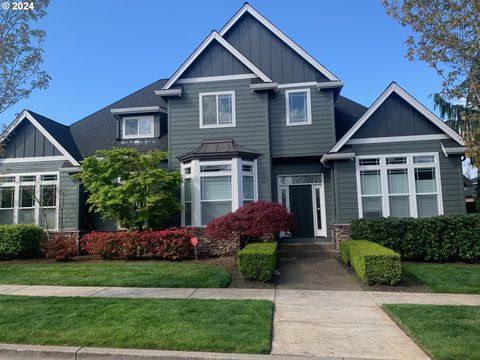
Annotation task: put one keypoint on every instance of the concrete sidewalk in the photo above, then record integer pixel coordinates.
(307, 323)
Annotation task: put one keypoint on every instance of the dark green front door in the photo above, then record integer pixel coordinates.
(302, 209)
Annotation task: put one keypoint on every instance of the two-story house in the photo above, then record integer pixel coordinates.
(249, 115)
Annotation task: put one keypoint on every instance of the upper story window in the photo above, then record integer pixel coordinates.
(298, 107)
(137, 127)
(217, 109)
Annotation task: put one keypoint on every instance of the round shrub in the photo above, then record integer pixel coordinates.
(20, 241)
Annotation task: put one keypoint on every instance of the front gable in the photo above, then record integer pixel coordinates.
(396, 117)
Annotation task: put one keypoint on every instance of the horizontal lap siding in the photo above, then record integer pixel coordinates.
(69, 188)
(306, 166)
(251, 128)
(450, 170)
(302, 140)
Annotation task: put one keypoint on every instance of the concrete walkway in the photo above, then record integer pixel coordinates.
(325, 324)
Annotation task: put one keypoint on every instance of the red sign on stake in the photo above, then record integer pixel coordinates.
(194, 241)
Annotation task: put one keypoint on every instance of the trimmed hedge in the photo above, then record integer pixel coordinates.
(373, 263)
(257, 261)
(20, 241)
(439, 238)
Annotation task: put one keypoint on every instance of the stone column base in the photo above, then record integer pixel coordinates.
(340, 232)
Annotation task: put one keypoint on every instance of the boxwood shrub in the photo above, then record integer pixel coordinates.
(373, 263)
(344, 248)
(439, 238)
(257, 261)
(19, 241)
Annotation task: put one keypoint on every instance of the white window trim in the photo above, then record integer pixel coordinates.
(236, 175)
(37, 183)
(309, 107)
(138, 136)
(410, 166)
(217, 125)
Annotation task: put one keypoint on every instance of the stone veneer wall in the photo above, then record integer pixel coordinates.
(215, 248)
(340, 232)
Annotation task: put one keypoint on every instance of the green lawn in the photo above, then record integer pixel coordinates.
(116, 273)
(446, 278)
(446, 332)
(197, 325)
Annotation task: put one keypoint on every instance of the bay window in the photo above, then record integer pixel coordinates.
(214, 188)
(29, 199)
(399, 186)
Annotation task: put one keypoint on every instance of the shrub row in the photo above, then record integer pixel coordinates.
(257, 261)
(373, 263)
(60, 247)
(440, 238)
(171, 244)
(19, 241)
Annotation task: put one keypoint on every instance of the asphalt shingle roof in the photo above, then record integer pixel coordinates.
(347, 112)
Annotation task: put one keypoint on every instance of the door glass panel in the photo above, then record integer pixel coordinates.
(318, 208)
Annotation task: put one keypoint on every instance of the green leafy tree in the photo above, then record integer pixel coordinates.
(446, 35)
(131, 187)
(21, 49)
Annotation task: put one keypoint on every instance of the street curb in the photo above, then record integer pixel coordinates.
(46, 352)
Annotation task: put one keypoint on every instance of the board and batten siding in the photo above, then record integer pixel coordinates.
(301, 167)
(450, 172)
(251, 128)
(314, 139)
(69, 188)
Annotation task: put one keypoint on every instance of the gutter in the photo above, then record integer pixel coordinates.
(337, 156)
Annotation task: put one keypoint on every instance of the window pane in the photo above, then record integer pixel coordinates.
(51, 215)
(27, 178)
(248, 192)
(7, 195)
(145, 126)
(27, 196)
(398, 181)
(48, 195)
(209, 107)
(247, 168)
(212, 210)
(188, 214)
(367, 162)
(216, 188)
(188, 171)
(7, 179)
(427, 205)
(225, 109)
(399, 206)
(215, 168)
(188, 189)
(49, 177)
(298, 107)
(131, 127)
(425, 181)
(26, 216)
(396, 160)
(372, 207)
(371, 184)
(424, 159)
(6, 216)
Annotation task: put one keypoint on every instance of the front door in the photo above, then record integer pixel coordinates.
(301, 205)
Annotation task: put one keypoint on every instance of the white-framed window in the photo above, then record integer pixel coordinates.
(138, 127)
(214, 188)
(299, 110)
(217, 109)
(406, 185)
(30, 199)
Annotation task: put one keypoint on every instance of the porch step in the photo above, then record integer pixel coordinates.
(305, 250)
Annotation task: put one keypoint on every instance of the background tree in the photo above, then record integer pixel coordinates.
(21, 54)
(130, 187)
(447, 37)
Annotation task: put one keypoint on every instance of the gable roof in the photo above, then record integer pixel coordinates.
(99, 130)
(58, 134)
(395, 88)
(214, 36)
(247, 8)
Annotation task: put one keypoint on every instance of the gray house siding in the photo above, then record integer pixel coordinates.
(306, 166)
(251, 128)
(27, 141)
(450, 170)
(215, 60)
(302, 140)
(270, 54)
(69, 189)
(395, 117)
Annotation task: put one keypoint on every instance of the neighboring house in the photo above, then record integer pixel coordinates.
(471, 189)
(249, 116)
